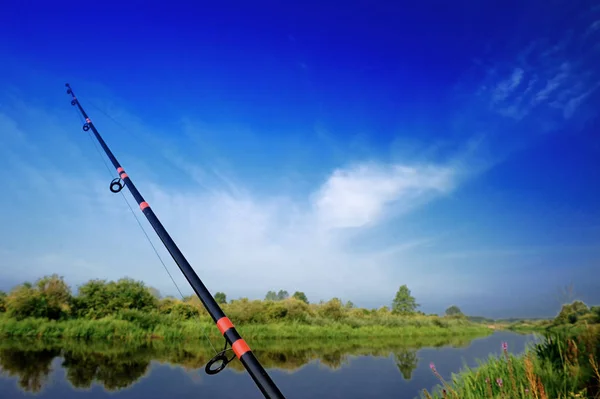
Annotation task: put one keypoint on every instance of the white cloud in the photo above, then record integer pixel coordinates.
(357, 196)
(238, 240)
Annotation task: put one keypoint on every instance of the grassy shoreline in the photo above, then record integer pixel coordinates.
(129, 310)
(111, 328)
(564, 365)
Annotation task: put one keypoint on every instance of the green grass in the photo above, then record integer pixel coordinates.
(179, 330)
(563, 365)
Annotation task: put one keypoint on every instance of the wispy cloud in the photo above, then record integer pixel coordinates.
(544, 78)
(506, 87)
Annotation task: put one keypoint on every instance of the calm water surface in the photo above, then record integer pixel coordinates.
(302, 370)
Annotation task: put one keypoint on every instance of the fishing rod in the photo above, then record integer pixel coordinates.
(232, 337)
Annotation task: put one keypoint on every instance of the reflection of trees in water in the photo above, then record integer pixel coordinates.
(334, 360)
(32, 368)
(117, 366)
(406, 361)
(113, 372)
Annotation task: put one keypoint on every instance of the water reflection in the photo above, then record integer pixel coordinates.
(406, 361)
(31, 367)
(113, 372)
(116, 367)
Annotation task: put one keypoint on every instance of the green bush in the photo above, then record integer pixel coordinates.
(333, 310)
(297, 309)
(178, 309)
(50, 298)
(97, 298)
(564, 365)
(571, 312)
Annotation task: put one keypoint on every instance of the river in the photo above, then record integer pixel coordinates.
(351, 369)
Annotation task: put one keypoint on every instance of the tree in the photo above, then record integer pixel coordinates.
(454, 311)
(220, 297)
(50, 297)
(349, 305)
(301, 296)
(404, 302)
(571, 312)
(271, 296)
(57, 295)
(282, 294)
(332, 309)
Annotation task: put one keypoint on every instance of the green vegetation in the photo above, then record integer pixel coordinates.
(454, 311)
(129, 310)
(221, 298)
(301, 296)
(574, 316)
(404, 302)
(564, 365)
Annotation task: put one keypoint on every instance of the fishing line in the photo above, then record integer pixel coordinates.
(232, 337)
(131, 132)
(143, 229)
(146, 143)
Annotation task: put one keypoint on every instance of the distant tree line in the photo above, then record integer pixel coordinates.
(283, 294)
(51, 298)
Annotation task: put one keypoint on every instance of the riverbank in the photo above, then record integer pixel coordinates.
(128, 310)
(178, 330)
(564, 365)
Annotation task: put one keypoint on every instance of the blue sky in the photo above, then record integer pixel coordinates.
(337, 149)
